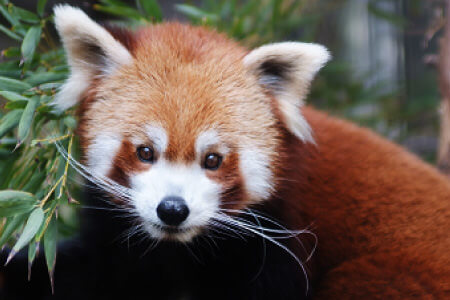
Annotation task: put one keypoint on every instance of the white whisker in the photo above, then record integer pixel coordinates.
(221, 217)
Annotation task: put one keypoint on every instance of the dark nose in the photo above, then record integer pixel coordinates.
(172, 210)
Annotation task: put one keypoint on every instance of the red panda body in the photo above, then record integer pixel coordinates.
(195, 137)
(381, 215)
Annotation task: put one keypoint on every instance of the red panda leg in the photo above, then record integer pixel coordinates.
(386, 276)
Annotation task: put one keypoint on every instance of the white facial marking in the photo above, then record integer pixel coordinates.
(158, 136)
(207, 140)
(190, 182)
(257, 174)
(101, 152)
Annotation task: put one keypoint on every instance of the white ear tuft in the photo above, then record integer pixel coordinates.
(286, 70)
(91, 51)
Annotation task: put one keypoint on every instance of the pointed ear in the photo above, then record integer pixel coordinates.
(91, 51)
(286, 71)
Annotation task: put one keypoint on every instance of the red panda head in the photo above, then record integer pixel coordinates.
(180, 120)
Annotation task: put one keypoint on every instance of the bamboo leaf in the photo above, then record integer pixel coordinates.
(50, 242)
(30, 41)
(151, 9)
(195, 13)
(15, 202)
(13, 85)
(25, 15)
(8, 16)
(10, 121)
(11, 96)
(12, 224)
(50, 85)
(16, 104)
(11, 52)
(29, 231)
(48, 216)
(10, 33)
(40, 78)
(123, 11)
(35, 182)
(41, 7)
(27, 119)
(32, 250)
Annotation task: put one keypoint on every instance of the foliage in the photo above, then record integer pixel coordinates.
(33, 174)
(37, 183)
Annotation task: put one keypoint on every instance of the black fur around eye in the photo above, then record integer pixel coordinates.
(145, 154)
(212, 161)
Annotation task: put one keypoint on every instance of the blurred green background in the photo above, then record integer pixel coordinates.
(378, 77)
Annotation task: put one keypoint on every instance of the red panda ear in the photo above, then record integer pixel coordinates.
(286, 71)
(91, 51)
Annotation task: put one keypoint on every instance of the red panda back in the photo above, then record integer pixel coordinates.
(370, 200)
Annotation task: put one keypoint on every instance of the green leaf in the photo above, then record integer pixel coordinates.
(50, 86)
(11, 96)
(11, 52)
(10, 73)
(41, 7)
(35, 182)
(30, 41)
(50, 242)
(29, 231)
(25, 15)
(10, 121)
(12, 224)
(122, 11)
(151, 9)
(32, 249)
(12, 105)
(27, 119)
(8, 16)
(50, 208)
(10, 33)
(196, 13)
(15, 202)
(40, 78)
(13, 85)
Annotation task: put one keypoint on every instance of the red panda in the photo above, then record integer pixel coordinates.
(202, 153)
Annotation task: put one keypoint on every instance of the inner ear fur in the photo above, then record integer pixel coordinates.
(91, 51)
(286, 70)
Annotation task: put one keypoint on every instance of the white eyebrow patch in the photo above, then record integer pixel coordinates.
(208, 139)
(157, 134)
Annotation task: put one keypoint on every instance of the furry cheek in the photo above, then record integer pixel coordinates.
(102, 151)
(255, 166)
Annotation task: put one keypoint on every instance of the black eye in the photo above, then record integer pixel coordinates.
(145, 154)
(212, 161)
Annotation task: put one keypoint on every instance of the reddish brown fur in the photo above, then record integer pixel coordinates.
(381, 215)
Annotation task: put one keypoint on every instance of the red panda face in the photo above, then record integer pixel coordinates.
(198, 133)
(178, 122)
